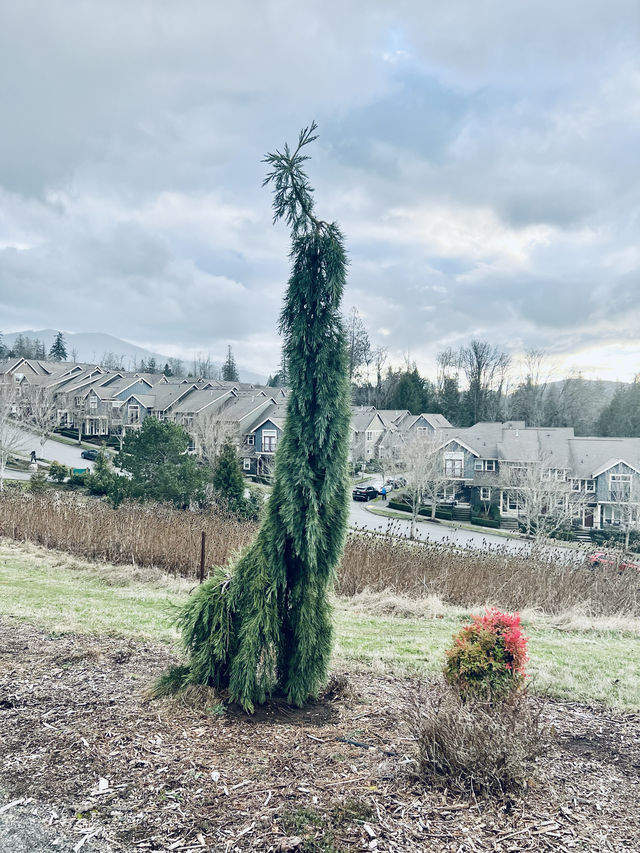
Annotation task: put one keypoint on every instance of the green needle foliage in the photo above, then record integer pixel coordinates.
(265, 625)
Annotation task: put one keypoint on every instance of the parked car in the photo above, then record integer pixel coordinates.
(396, 483)
(365, 493)
(90, 454)
(610, 561)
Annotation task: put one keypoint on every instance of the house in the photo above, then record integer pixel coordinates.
(603, 472)
(260, 443)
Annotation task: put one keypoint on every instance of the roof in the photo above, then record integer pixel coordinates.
(197, 401)
(362, 421)
(591, 457)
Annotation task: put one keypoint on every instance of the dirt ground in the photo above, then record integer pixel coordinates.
(87, 763)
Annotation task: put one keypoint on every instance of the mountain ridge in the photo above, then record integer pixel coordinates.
(94, 347)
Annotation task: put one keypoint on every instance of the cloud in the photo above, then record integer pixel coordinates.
(481, 158)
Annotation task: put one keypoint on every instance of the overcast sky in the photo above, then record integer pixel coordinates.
(482, 158)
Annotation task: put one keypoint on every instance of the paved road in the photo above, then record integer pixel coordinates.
(68, 454)
(361, 516)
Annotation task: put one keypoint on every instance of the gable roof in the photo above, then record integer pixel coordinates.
(611, 463)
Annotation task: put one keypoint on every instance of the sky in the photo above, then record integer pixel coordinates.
(482, 160)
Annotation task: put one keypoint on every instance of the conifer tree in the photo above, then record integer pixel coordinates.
(228, 479)
(265, 624)
(229, 369)
(58, 351)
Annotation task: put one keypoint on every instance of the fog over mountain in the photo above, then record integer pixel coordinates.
(93, 347)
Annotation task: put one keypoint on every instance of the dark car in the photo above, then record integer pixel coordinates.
(365, 493)
(90, 454)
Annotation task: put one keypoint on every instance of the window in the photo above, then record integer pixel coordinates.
(369, 435)
(134, 414)
(93, 403)
(269, 440)
(454, 464)
(246, 464)
(589, 485)
(485, 465)
(422, 431)
(116, 404)
(509, 502)
(449, 493)
(251, 440)
(187, 420)
(620, 485)
(485, 493)
(575, 485)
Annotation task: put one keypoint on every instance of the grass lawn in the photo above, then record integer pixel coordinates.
(576, 658)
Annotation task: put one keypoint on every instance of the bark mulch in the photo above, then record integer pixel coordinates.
(90, 764)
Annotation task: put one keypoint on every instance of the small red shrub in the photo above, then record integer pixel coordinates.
(488, 655)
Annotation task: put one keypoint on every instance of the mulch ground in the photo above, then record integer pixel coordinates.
(100, 768)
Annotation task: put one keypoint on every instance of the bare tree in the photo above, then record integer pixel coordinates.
(379, 356)
(527, 401)
(546, 500)
(42, 411)
(423, 465)
(485, 368)
(210, 432)
(358, 344)
(12, 439)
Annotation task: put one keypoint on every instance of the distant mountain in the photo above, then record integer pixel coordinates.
(606, 388)
(95, 347)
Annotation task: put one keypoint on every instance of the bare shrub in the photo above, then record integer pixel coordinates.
(476, 746)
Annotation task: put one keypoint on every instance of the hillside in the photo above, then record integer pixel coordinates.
(96, 346)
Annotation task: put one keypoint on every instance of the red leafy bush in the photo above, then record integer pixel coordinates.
(488, 656)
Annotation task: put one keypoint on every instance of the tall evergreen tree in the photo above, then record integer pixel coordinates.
(229, 369)
(265, 624)
(228, 479)
(58, 351)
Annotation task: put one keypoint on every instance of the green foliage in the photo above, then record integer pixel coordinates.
(413, 392)
(38, 482)
(58, 351)
(622, 416)
(101, 480)
(230, 485)
(229, 369)
(488, 656)
(228, 480)
(266, 625)
(77, 480)
(483, 521)
(160, 469)
(443, 514)
(58, 472)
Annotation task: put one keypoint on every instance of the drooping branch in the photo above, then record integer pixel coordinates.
(293, 194)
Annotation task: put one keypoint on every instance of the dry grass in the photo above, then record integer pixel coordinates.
(150, 535)
(158, 536)
(468, 577)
